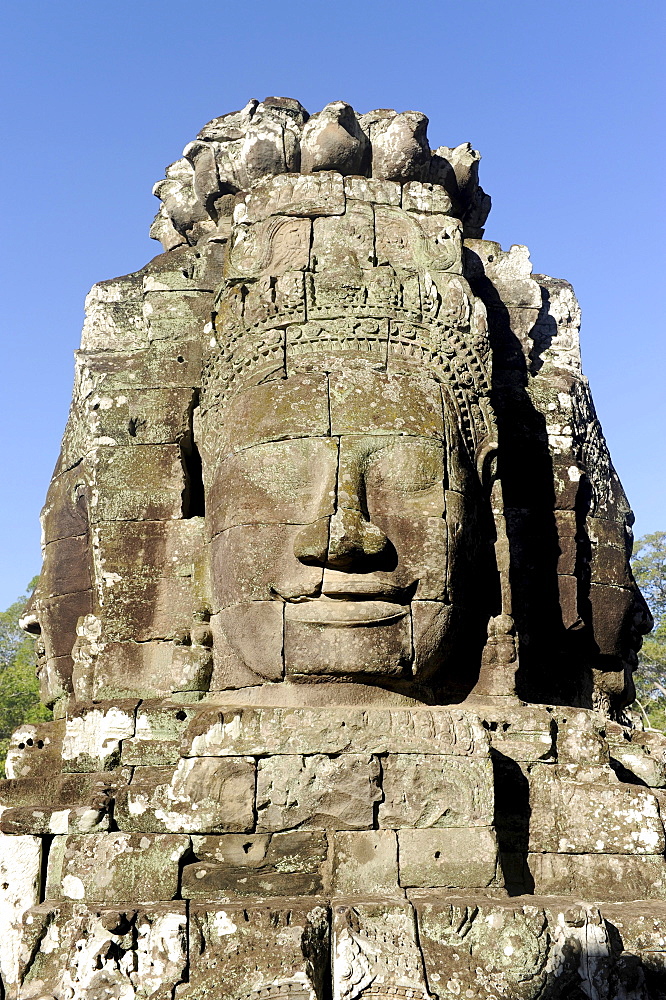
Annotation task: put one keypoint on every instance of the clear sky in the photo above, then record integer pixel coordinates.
(562, 98)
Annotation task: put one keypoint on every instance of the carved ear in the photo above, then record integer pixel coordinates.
(486, 462)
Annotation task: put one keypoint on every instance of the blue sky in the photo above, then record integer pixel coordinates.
(561, 98)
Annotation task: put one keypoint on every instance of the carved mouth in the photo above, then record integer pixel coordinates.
(344, 612)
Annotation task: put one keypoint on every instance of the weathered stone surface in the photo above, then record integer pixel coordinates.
(365, 862)
(243, 950)
(591, 818)
(373, 190)
(317, 792)
(115, 867)
(482, 948)
(235, 866)
(375, 944)
(20, 873)
(158, 730)
(200, 794)
(423, 790)
(273, 412)
(132, 951)
(285, 194)
(62, 790)
(94, 735)
(455, 857)
(599, 876)
(40, 821)
(276, 483)
(150, 668)
(149, 577)
(236, 731)
(35, 750)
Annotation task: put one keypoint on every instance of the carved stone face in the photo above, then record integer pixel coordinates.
(338, 518)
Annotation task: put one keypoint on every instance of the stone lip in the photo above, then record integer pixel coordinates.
(342, 612)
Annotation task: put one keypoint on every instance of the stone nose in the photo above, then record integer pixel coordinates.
(354, 540)
(345, 541)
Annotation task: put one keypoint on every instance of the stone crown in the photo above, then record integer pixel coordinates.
(236, 151)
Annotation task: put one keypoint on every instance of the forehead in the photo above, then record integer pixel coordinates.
(354, 400)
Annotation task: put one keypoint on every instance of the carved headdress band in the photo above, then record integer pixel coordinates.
(347, 275)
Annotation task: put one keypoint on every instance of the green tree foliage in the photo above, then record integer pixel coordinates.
(649, 566)
(19, 688)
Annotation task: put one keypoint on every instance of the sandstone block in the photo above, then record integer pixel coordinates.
(641, 928)
(365, 862)
(234, 867)
(158, 731)
(385, 403)
(425, 790)
(129, 417)
(164, 365)
(144, 949)
(321, 193)
(263, 559)
(115, 867)
(472, 946)
(424, 197)
(454, 858)
(35, 750)
(557, 332)
(254, 632)
(150, 577)
(20, 873)
(341, 242)
(416, 242)
(59, 617)
(55, 678)
(579, 738)
(612, 877)
(274, 411)
(233, 731)
(510, 271)
(333, 140)
(62, 790)
(317, 792)
(609, 562)
(375, 943)
(149, 669)
(185, 270)
(343, 651)
(138, 483)
(200, 795)
(66, 567)
(171, 315)
(282, 482)
(114, 316)
(372, 189)
(94, 734)
(399, 143)
(330, 330)
(73, 819)
(523, 733)
(272, 247)
(245, 949)
(591, 818)
(644, 757)
(65, 513)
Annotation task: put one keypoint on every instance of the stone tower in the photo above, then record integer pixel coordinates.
(336, 614)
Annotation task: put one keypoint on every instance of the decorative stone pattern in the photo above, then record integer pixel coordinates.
(338, 648)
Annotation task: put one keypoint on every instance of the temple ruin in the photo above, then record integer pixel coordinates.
(336, 614)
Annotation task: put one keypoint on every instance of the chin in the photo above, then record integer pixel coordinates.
(351, 641)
